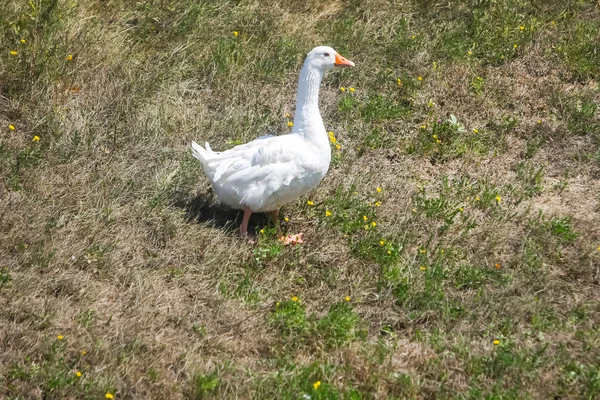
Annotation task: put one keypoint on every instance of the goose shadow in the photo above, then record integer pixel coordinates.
(205, 209)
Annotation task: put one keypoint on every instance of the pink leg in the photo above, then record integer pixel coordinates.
(244, 226)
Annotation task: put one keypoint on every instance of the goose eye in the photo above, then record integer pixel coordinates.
(326, 54)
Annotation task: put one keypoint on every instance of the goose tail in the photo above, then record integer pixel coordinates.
(200, 153)
(204, 155)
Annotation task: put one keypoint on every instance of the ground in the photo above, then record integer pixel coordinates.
(452, 251)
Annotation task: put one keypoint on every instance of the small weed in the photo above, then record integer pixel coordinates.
(562, 183)
(562, 229)
(581, 121)
(378, 138)
(5, 277)
(533, 145)
(86, 318)
(242, 289)
(269, 247)
(289, 317)
(531, 178)
(339, 326)
(200, 330)
(205, 385)
(477, 85)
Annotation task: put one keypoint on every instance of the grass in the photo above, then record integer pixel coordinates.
(451, 252)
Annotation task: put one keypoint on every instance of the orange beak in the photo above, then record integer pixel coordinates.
(342, 62)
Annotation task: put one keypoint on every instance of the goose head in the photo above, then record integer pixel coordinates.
(326, 58)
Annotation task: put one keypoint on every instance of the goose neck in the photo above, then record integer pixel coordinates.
(307, 99)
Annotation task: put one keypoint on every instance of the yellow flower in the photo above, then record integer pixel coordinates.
(35, 139)
(23, 41)
(412, 37)
(381, 242)
(378, 190)
(514, 46)
(598, 248)
(422, 251)
(317, 384)
(78, 373)
(262, 230)
(295, 298)
(496, 342)
(287, 115)
(435, 136)
(60, 337)
(343, 89)
(310, 203)
(475, 130)
(377, 203)
(498, 198)
(11, 127)
(69, 57)
(13, 52)
(337, 146)
(235, 33)
(423, 268)
(109, 396)
(373, 224)
(420, 78)
(366, 227)
(423, 126)
(477, 198)
(365, 218)
(539, 121)
(83, 352)
(469, 52)
(290, 123)
(347, 298)
(352, 90)
(438, 141)
(328, 213)
(399, 81)
(460, 209)
(442, 250)
(522, 28)
(286, 219)
(389, 252)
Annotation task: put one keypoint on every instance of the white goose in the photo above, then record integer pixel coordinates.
(270, 171)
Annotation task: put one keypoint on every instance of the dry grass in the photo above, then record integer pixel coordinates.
(110, 236)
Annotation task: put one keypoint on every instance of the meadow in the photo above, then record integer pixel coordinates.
(452, 251)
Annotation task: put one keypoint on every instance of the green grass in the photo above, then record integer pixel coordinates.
(451, 252)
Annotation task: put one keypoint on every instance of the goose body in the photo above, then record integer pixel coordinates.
(270, 171)
(266, 173)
